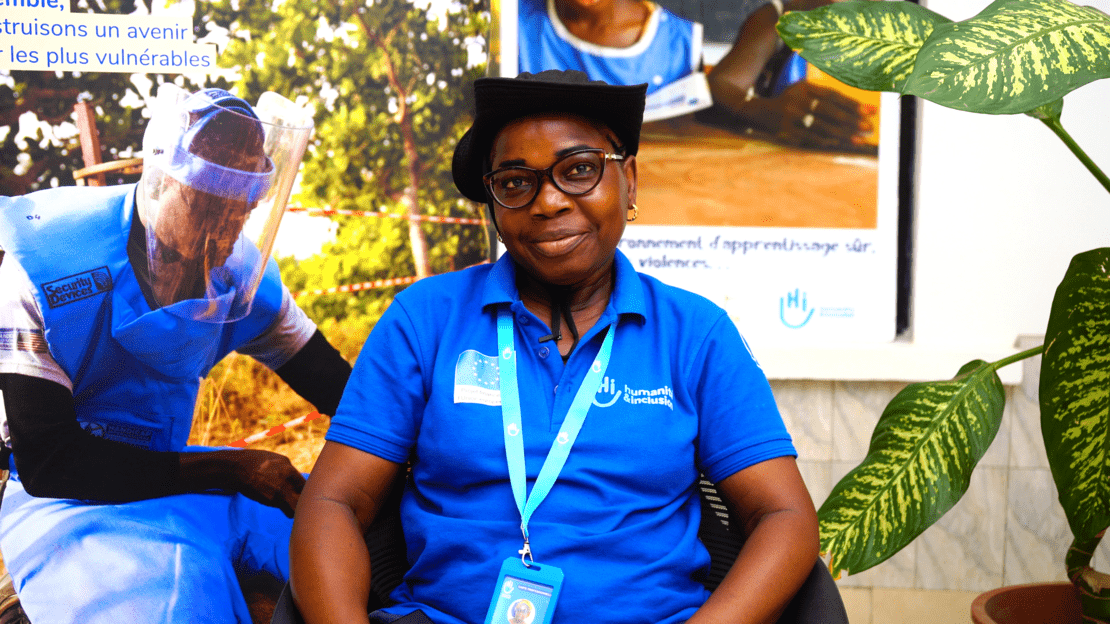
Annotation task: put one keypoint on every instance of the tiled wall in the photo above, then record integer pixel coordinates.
(1008, 529)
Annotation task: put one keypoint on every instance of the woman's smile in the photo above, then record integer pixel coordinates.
(558, 243)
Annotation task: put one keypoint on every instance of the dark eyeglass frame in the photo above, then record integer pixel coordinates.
(487, 180)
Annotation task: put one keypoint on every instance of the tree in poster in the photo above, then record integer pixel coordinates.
(388, 84)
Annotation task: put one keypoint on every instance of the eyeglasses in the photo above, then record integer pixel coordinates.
(576, 173)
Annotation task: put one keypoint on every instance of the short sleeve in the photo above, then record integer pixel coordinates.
(23, 346)
(386, 395)
(289, 332)
(739, 424)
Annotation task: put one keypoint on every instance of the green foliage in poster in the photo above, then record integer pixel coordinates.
(388, 82)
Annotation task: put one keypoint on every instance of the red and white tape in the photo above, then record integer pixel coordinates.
(387, 215)
(382, 283)
(273, 431)
(393, 281)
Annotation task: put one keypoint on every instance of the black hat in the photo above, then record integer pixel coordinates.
(497, 101)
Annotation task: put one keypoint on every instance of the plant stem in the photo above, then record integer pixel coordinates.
(1094, 596)
(1017, 357)
(1058, 128)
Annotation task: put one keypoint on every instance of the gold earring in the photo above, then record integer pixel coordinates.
(499, 239)
(635, 213)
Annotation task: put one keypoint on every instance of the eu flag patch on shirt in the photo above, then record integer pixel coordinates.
(477, 379)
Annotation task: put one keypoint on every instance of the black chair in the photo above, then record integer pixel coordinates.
(817, 602)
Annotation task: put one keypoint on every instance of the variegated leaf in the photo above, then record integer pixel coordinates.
(870, 45)
(923, 450)
(1075, 393)
(1048, 112)
(1012, 57)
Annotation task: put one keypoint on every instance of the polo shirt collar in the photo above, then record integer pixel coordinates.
(627, 297)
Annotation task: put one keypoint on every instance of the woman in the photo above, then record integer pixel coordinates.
(465, 369)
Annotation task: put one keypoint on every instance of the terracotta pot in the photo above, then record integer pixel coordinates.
(1040, 603)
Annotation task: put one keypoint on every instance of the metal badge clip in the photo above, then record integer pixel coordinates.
(527, 550)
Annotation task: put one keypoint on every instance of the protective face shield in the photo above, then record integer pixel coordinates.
(212, 162)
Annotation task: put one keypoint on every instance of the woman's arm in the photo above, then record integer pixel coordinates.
(330, 566)
(771, 503)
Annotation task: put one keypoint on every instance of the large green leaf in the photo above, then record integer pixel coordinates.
(1075, 393)
(870, 45)
(1048, 112)
(923, 450)
(1012, 57)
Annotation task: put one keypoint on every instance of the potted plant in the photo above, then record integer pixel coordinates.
(1014, 57)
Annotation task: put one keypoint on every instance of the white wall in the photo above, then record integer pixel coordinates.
(1002, 206)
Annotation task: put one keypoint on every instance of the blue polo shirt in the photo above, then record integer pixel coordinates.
(682, 393)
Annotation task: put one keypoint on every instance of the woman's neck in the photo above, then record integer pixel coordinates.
(586, 302)
(610, 23)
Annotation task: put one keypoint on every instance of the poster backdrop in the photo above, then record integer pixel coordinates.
(797, 244)
(386, 80)
(43, 35)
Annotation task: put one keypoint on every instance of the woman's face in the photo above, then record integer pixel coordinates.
(563, 239)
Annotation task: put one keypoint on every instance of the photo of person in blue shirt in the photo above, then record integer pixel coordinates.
(757, 84)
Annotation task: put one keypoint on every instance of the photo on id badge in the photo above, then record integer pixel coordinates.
(524, 595)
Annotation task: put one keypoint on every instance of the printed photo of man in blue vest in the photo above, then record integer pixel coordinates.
(114, 303)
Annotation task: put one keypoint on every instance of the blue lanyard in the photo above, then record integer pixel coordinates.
(510, 414)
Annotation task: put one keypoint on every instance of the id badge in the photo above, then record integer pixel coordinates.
(523, 594)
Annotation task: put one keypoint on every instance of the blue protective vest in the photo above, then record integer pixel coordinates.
(135, 371)
(669, 49)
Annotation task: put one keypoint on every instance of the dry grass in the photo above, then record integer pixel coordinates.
(241, 397)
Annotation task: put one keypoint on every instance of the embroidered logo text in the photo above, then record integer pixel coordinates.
(77, 287)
